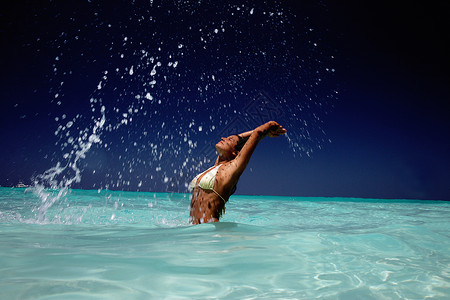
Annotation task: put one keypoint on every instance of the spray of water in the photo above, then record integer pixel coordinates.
(54, 183)
(168, 79)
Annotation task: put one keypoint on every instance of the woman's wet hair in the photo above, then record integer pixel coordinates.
(241, 142)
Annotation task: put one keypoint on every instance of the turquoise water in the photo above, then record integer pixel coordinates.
(127, 245)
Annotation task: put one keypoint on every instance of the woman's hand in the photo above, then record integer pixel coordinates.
(273, 129)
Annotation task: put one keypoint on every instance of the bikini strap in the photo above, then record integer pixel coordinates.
(219, 196)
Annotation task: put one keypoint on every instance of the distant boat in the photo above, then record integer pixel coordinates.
(21, 185)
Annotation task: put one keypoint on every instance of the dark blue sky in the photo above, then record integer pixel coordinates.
(388, 122)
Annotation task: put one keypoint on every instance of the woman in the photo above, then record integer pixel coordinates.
(212, 188)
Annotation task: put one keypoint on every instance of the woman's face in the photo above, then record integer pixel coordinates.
(226, 145)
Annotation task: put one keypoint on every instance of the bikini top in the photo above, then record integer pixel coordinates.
(207, 181)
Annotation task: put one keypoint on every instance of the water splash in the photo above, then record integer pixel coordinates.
(60, 178)
(168, 79)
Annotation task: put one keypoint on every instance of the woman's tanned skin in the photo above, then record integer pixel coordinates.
(207, 206)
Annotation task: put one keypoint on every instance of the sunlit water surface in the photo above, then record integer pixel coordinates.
(125, 245)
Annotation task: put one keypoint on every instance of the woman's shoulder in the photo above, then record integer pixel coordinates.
(227, 173)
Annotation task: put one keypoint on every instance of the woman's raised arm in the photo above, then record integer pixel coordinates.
(271, 129)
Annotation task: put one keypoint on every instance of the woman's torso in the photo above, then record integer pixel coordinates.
(207, 203)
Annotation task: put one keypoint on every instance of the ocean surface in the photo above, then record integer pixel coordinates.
(80, 244)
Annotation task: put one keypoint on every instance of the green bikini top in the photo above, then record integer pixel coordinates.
(207, 181)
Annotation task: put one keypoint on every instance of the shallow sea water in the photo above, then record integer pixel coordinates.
(133, 245)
